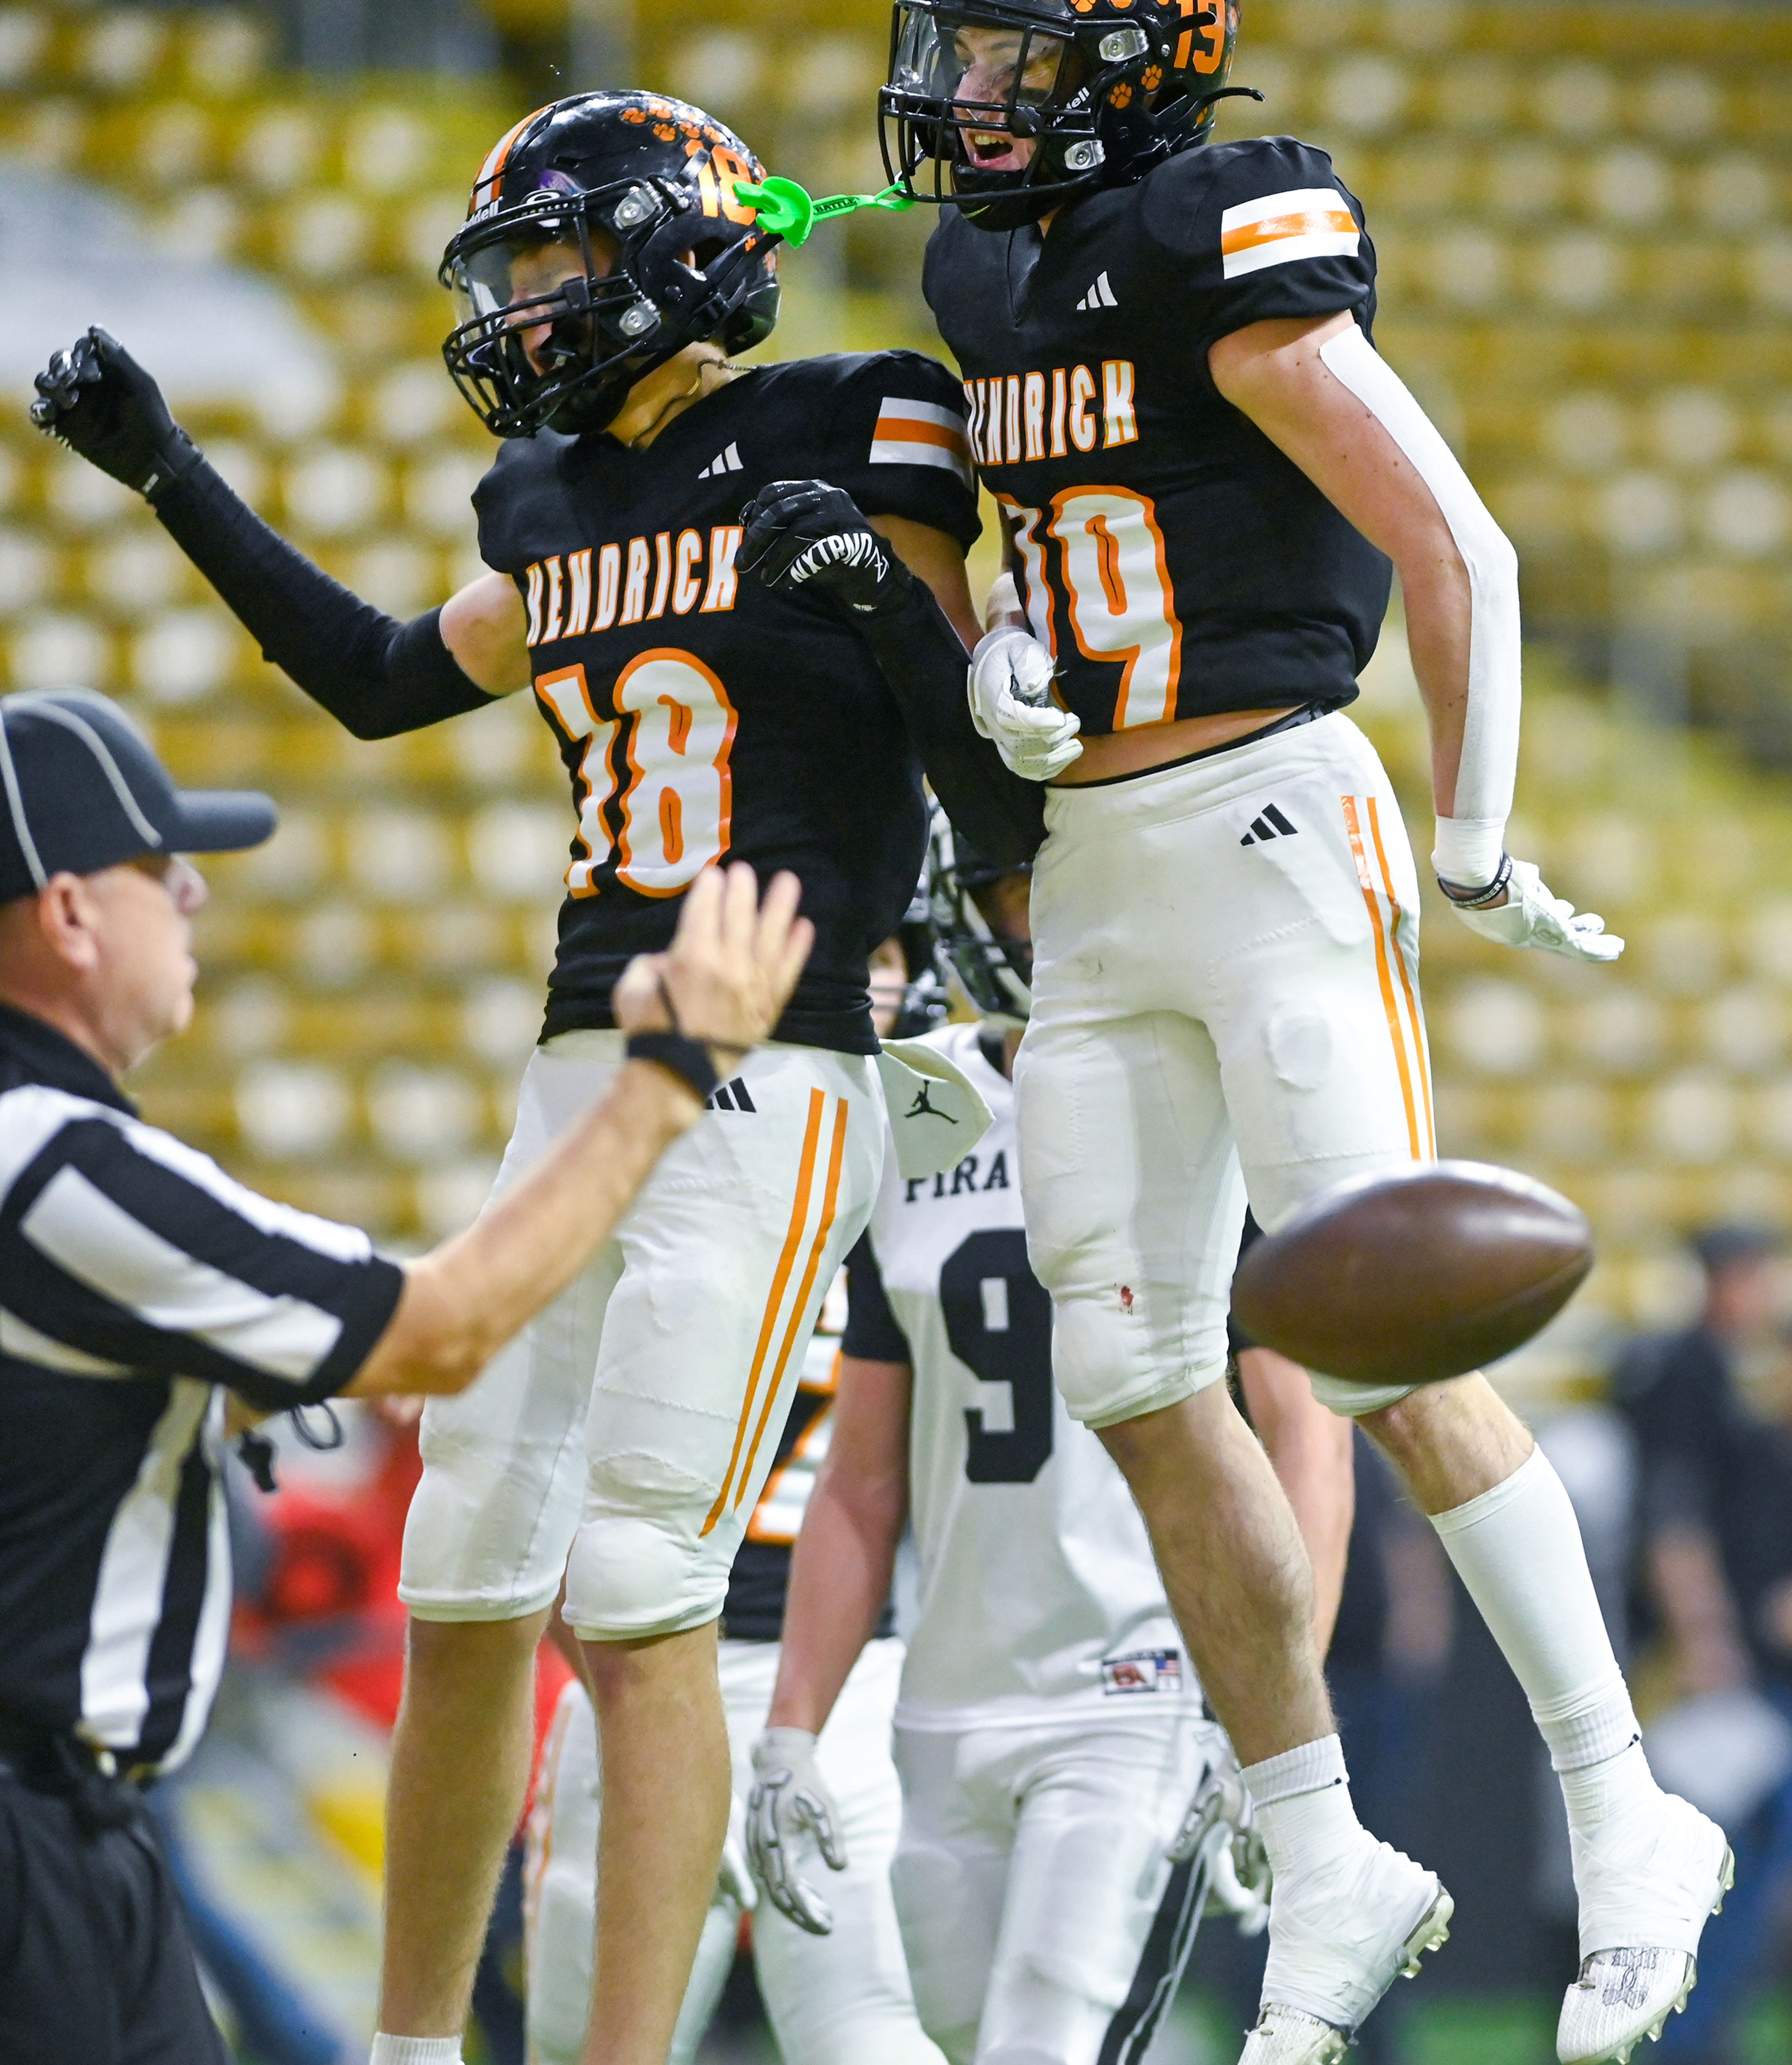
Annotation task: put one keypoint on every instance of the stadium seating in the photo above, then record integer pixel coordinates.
(1582, 216)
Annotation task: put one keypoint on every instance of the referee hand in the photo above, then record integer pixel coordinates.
(730, 969)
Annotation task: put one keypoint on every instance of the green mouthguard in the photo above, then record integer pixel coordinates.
(787, 211)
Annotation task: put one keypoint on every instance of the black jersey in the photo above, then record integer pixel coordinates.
(1176, 563)
(701, 717)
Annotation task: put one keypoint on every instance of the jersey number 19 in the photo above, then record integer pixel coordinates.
(1115, 587)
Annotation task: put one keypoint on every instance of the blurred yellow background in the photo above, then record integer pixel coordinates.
(1582, 218)
(1584, 215)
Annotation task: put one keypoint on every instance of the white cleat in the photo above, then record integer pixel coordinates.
(1338, 1939)
(1647, 1887)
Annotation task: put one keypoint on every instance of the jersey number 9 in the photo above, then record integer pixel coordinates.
(999, 1321)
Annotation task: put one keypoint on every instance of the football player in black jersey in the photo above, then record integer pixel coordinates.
(607, 268)
(1205, 471)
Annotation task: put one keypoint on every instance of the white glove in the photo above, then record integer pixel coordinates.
(1010, 688)
(790, 1802)
(1221, 1821)
(1531, 917)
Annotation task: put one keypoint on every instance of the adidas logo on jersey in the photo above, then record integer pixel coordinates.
(727, 462)
(730, 1097)
(1271, 824)
(1099, 295)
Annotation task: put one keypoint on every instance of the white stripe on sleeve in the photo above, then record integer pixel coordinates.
(133, 1572)
(1277, 229)
(100, 1244)
(342, 1243)
(211, 1637)
(30, 1118)
(24, 1342)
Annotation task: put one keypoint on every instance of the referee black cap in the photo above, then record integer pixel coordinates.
(81, 789)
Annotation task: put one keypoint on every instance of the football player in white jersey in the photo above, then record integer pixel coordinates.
(1052, 1743)
(843, 1996)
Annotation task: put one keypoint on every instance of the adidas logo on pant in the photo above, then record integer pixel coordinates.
(1271, 824)
(730, 1097)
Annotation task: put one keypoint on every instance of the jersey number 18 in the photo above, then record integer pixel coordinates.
(676, 732)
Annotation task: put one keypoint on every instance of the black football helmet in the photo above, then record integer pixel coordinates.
(612, 218)
(1103, 90)
(996, 973)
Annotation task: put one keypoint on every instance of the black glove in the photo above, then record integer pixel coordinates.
(101, 403)
(805, 538)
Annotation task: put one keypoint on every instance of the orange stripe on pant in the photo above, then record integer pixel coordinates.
(830, 1198)
(1396, 1032)
(1416, 1015)
(781, 1276)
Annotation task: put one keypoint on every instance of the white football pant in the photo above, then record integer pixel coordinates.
(630, 1426)
(1044, 1921)
(1226, 1002)
(831, 1999)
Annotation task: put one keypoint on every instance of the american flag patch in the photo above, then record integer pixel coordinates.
(1311, 222)
(1142, 1670)
(920, 434)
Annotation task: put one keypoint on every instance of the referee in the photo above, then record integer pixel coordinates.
(138, 1283)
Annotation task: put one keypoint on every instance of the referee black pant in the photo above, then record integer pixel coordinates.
(96, 1967)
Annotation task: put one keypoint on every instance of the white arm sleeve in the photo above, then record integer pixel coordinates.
(1470, 841)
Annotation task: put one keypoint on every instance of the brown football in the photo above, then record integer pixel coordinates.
(1414, 1278)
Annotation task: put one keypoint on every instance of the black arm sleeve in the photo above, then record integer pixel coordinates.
(373, 674)
(872, 1332)
(924, 661)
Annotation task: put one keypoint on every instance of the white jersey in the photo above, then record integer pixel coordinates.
(1037, 1581)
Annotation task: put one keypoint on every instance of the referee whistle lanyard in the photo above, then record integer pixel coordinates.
(789, 211)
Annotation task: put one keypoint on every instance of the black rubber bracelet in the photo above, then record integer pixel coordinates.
(1466, 899)
(688, 1060)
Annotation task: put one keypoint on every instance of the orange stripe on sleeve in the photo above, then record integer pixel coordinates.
(830, 1198)
(799, 1213)
(1413, 1014)
(1353, 826)
(910, 430)
(1276, 228)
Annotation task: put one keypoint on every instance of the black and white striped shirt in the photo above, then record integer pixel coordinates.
(136, 1279)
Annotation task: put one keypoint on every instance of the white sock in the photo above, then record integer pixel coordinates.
(1518, 1551)
(1304, 1810)
(415, 2051)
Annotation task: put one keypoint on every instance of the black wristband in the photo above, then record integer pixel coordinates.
(1467, 898)
(688, 1060)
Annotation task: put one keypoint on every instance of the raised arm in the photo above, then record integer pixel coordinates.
(726, 976)
(375, 675)
(1317, 390)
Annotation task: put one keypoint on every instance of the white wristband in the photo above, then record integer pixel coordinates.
(1468, 849)
(1004, 601)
